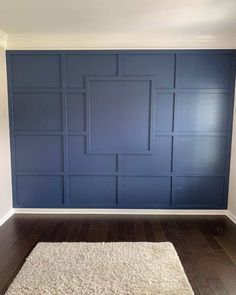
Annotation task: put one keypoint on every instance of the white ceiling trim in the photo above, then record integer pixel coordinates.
(118, 41)
(3, 39)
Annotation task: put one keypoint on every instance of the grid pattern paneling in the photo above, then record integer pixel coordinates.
(135, 129)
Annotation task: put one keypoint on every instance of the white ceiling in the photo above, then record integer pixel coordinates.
(145, 20)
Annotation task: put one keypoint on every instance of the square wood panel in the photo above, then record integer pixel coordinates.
(120, 115)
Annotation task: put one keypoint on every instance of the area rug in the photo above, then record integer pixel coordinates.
(102, 269)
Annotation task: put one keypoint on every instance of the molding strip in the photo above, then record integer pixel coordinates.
(231, 216)
(121, 211)
(6, 216)
(117, 41)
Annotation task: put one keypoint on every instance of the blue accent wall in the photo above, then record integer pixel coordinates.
(121, 129)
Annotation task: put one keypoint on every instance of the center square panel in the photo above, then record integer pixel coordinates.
(120, 115)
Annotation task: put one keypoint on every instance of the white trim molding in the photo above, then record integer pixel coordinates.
(231, 216)
(117, 41)
(3, 39)
(121, 211)
(6, 216)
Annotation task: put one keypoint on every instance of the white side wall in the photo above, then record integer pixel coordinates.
(232, 181)
(5, 165)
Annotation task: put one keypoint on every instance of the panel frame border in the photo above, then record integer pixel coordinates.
(151, 132)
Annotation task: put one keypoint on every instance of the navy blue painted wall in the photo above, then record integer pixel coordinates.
(134, 129)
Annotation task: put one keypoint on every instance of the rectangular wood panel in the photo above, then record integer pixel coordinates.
(39, 152)
(36, 70)
(190, 189)
(95, 191)
(146, 191)
(201, 154)
(29, 107)
(204, 71)
(39, 191)
(204, 112)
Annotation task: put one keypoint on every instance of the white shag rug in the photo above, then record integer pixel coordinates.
(140, 268)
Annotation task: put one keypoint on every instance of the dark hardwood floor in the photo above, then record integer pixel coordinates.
(206, 245)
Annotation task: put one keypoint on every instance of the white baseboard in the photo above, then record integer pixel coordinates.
(7, 216)
(231, 216)
(121, 211)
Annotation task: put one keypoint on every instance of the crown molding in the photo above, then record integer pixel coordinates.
(119, 41)
(3, 38)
